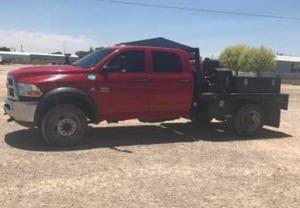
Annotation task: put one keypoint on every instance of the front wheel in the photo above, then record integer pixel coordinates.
(248, 120)
(64, 125)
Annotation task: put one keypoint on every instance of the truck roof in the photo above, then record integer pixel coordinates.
(147, 47)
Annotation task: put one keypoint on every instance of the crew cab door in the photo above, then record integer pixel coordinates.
(170, 84)
(123, 91)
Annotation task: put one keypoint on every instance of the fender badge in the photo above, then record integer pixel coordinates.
(91, 77)
(105, 89)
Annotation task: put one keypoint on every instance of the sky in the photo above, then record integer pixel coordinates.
(72, 25)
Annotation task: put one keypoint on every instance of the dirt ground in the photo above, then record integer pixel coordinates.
(173, 164)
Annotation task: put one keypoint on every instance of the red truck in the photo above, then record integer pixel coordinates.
(148, 83)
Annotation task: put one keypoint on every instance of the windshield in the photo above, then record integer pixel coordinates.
(92, 58)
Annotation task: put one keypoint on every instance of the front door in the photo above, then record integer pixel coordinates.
(123, 91)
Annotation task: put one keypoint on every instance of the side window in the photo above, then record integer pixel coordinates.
(131, 61)
(166, 62)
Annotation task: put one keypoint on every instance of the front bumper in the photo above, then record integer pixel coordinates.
(21, 111)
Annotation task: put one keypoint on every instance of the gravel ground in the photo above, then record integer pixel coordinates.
(173, 164)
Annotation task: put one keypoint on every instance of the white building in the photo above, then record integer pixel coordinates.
(288, 65)
(34, 58)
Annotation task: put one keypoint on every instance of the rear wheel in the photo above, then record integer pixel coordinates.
(64, 125)
(248, 120)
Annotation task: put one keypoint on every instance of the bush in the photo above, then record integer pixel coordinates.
(249, 59)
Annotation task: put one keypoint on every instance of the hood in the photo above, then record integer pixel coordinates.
(46, 70)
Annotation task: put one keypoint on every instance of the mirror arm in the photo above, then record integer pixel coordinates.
(104, 70)
(107, 69)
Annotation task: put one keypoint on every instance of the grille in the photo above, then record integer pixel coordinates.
(11, 92)
(11, 88)
(10, 81)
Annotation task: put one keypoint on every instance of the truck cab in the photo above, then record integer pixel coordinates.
(113, 84)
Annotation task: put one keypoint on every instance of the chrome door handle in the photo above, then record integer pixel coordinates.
(184, 81)
(140, 80)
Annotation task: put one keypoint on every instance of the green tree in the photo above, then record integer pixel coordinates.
(232, 56)
(4, 49)
(259, 60)
(57, 52)
(81, 54)
(99, 48)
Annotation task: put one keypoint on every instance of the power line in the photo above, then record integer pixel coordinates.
(199, 10)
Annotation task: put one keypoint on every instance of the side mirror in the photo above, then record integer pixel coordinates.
(107, 69)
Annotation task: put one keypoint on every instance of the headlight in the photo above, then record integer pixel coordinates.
(28, 90)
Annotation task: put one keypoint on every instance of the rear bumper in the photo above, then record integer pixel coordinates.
(21, 111)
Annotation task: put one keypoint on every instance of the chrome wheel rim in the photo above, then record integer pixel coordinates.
(66, 127)
(251, 121)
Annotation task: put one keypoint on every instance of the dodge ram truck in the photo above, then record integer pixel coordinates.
(148, 83)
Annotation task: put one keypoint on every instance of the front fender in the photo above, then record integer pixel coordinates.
(66, 95)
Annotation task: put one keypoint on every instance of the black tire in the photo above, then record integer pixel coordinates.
(64, 125)
(248, 120)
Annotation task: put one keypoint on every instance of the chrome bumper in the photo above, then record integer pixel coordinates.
(22, 111)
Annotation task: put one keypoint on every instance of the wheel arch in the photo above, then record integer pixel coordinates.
(66, 95)
(271, 110)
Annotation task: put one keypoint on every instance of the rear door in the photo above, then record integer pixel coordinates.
(170, 83)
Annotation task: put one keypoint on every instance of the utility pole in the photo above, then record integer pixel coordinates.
(64, 46)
